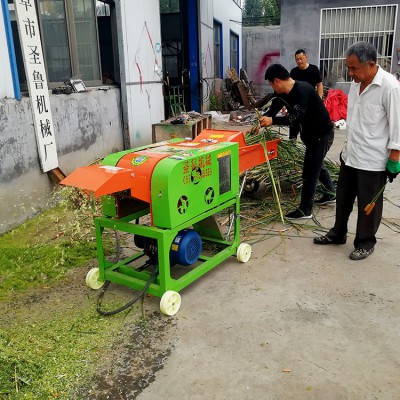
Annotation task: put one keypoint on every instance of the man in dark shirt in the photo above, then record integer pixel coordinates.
(306, 108)
(305, 72)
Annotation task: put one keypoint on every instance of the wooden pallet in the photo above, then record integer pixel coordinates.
(165, 130)
(56, 175)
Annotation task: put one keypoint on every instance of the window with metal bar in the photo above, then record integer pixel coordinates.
(69, 38)
(341, 27)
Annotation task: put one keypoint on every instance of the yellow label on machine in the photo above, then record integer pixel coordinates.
(216, 136)
(224, 154)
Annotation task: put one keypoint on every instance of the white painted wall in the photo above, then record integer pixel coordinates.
(141, 68)
(207, 38)
(6, 86)
(227, 12)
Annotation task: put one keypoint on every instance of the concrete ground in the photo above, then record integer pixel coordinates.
(298, 321)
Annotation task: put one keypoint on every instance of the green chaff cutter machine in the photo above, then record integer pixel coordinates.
(177, 187)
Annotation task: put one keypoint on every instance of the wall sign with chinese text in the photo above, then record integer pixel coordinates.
(31, 46)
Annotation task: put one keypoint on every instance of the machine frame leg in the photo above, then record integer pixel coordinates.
(122, 273)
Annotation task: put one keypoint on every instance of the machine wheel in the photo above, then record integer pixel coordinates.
(170, 302)
(251, 186)
(243, 252)
(92, 279)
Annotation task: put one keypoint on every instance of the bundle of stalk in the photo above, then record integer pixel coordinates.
(281, 180)
(287, 166)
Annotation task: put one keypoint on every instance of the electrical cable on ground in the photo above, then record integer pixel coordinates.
(107, 283)
(130, 303)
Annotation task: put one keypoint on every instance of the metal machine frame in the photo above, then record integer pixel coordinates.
(121, 273)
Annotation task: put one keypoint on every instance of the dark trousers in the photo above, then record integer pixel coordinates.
(294, 130)
(314, 170)
(364, 185)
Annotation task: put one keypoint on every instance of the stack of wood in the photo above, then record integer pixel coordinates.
(241, 90)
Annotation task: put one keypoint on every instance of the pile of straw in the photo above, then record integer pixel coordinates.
(287, 167)
(280, 182)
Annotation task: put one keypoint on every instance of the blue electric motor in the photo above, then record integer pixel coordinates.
(186, 247)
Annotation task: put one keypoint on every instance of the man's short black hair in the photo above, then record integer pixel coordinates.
(300, 51)
(276, 71)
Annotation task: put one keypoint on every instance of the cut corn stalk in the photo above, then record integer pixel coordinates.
(288, 166)
(370, 206)
(281, 178)
(271, 175)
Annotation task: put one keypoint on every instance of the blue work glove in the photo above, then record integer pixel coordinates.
(392, 169)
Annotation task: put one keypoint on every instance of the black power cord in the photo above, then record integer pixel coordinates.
(130, 303)
(107, 283)
(206, 96)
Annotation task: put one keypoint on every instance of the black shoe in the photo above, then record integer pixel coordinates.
(360, 254)
(324, 200)
(298, 214)
(328, 240)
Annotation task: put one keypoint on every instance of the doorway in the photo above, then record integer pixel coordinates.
(179, 36)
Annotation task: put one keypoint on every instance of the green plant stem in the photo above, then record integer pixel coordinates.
(379, 193)
(263, 144)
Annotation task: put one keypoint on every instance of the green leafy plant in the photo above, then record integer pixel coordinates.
(261, 12)
(216, 103)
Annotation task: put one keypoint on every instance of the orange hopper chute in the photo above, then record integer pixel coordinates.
(104, 179)
(100, 179)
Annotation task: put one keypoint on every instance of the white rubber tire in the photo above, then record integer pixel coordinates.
(170, 302)
(92, 279)
(243, 253)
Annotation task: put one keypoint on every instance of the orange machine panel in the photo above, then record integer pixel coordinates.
(133, 172)
(250, 156)
(211, 136)
(100, 179)
(142, 163)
